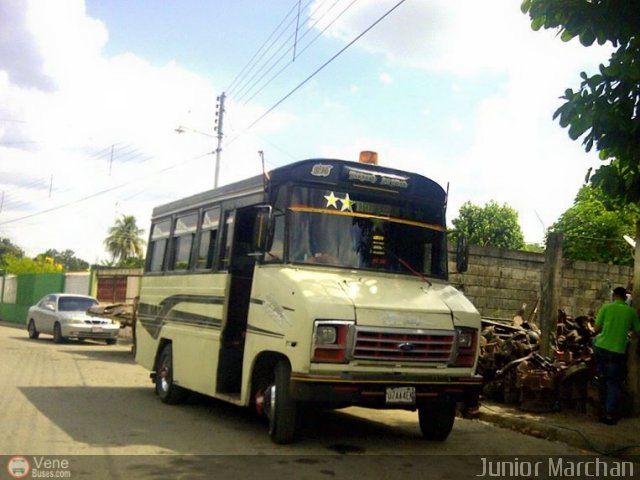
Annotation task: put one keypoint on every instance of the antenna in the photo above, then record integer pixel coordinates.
(265, 174)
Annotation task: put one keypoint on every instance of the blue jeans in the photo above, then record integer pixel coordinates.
(612, 370)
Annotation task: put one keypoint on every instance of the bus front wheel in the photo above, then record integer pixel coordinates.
(281, 407)
(436, 419)
(168, 391)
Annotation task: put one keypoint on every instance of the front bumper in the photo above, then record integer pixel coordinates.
(370, 390)
(91, 331)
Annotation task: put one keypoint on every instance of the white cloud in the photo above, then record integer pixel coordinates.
(386, 78)
(64, 105)
(517, 154)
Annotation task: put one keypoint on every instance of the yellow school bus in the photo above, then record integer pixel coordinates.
(322, 282)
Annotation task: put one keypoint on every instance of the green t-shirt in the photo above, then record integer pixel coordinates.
(616, 319)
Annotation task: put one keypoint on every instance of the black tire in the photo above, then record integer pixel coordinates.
(33, 332)
(282, 408)
(111, 341)
(57, 334)
(168, 391)
(436, 419)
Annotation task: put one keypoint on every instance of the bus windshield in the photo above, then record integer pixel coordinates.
(366, 232)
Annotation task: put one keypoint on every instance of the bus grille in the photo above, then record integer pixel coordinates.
(430, 346)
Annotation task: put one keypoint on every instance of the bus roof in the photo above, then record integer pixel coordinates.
(336, 173)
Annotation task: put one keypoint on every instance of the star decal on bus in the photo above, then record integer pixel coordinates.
(347, 204)
(332, 200)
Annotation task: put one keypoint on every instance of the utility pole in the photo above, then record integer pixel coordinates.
(218, 129)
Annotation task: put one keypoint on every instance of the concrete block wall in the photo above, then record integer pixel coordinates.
(500, 281)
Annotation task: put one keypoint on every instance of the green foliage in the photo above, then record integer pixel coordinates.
(491, 225)
(605, 110)
(8, 248)
(124, 241)
(67, 259)
(593, 228)
(533, 247)
(42, 264)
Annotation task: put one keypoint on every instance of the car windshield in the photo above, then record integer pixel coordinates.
(75, 304)
(357, 230)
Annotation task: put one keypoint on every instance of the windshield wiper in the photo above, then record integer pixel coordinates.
(408, 266)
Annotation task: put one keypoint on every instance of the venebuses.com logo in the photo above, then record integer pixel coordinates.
(18, 467)
(38, 467)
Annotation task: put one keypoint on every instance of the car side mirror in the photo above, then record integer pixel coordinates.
(462, 254)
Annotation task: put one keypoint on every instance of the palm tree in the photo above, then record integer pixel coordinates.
(124, 241)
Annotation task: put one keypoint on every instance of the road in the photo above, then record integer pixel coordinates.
(92, 399)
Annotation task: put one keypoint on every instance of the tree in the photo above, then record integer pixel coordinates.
(9, 248)
(68, 259)
(124, 241)
(491, 225)
(593, 228)
(16, 265)
(605, 110)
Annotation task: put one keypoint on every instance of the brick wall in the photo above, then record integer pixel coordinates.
(500, 281)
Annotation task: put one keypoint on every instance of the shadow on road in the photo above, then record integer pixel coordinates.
(108, 354)
(133, 416)
(129, 416)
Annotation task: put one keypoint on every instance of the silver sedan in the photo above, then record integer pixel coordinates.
(65, 316)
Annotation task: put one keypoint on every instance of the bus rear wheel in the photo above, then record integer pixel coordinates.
(168, 391)
(436, 419)
(280, 406)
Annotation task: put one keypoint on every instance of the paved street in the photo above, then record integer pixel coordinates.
(92, 399)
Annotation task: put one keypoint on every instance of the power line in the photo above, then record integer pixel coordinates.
(313, 40)
(102, 192)
(241, 96)
(318, 70)
(237, 80)
(286, 41)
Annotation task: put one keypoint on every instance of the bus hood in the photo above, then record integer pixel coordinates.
(406, 302)
(396, 301)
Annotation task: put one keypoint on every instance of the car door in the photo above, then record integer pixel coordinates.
(46, 314)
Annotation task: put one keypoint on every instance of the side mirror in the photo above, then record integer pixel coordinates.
(462, 254)
(263, 229)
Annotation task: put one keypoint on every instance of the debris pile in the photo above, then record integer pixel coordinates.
(514, 372)
(121, 312)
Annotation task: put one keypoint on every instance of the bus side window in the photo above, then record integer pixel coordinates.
(183, 235)
(227, 240)
(158, 245)
(208, 234)
(276, 253)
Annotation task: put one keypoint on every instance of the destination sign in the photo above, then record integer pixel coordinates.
(376, 178)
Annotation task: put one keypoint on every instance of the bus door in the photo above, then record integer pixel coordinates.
(241, 265)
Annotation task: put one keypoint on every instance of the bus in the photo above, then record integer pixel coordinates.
(322, 283)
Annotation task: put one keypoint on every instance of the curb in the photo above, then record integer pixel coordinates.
(559, 433)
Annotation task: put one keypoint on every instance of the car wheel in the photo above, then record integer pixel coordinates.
(280, 405)
(57, 334)
(31, 328)
(111, 341)
(168, 391)
(436, 419)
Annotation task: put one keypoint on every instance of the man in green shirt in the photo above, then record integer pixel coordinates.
(613, 322)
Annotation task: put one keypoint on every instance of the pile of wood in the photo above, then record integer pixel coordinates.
(514, 372)
(124, 313)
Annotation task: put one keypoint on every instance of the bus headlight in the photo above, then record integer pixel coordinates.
(330, 339)
(466, 345)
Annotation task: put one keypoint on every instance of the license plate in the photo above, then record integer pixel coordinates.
(401, 395)
(96, 329)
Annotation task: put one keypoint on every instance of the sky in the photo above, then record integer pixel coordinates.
(92, 92)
